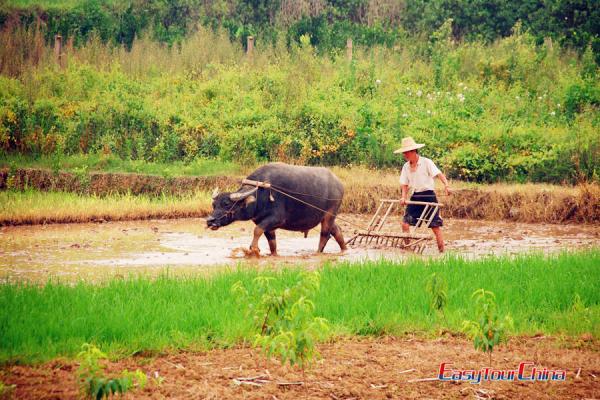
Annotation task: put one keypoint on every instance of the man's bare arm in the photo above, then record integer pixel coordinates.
(443, 179)
(404, 193)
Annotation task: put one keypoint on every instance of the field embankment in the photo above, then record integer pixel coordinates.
(511, 202)
(43, 196)
(102, 183)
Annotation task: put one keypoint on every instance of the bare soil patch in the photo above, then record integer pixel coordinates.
(366, 368)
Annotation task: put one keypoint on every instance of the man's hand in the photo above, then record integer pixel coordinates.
(448, 190)
(403, 201)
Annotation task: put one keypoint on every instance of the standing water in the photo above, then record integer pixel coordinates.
(95, 251)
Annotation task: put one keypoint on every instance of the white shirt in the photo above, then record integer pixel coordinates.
(422, 178)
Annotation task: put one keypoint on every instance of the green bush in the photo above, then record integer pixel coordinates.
(578, 96)
(509, 111)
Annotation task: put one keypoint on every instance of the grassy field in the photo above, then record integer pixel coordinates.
(35, 207)
(557, 295)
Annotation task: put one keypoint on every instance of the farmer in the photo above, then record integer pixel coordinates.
(417, 176)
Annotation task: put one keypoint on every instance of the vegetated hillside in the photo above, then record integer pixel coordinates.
(329, 23)
(510, 111)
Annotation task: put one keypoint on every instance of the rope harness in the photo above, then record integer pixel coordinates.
(228, 213)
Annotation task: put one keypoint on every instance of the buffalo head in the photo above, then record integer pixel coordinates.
(230, 207)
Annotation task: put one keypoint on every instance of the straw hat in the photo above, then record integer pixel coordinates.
(408, 144)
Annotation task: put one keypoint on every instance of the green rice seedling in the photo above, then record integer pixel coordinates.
(139, 312)
(92, 381)
(488, 330)
(437, 287)
(284, 318)
(579, 310)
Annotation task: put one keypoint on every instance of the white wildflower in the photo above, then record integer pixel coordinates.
(378, 82)
(419, 93)
(553, 113)
(405, 115)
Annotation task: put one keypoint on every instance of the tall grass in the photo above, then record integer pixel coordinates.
(35, 207)
(103, 163)
(556, 295)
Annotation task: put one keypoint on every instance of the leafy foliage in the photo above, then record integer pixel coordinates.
(328, 23)
(283, 319)
(92, 381)
(511, 111)
(487, 331)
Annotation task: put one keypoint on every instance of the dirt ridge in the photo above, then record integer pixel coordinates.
(105, 183)
(359, 368)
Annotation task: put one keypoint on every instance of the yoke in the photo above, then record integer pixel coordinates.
(415, 239)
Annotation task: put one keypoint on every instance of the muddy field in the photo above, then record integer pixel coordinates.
(383, 368)
(96, 251)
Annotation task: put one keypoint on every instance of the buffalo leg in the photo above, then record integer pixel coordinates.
(323, 240)
(270, 235)
(337, 234)
(326, 226)
(258, 231)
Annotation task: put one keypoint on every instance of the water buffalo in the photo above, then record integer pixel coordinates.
(270, 209)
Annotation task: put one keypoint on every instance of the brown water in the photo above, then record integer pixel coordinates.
(96, 251)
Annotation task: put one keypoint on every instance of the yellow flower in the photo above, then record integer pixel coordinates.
(11, 117)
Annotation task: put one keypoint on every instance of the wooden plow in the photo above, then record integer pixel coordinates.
(417, 237)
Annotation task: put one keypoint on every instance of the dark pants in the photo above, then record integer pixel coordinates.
(413, 211)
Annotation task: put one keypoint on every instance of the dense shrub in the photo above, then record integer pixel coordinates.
(508, 111)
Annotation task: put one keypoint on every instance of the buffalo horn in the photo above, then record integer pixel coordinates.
(242, 195)
(215, 193)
